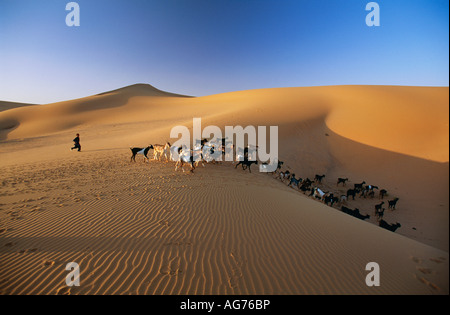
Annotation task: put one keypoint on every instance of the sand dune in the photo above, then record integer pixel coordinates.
(10, 105)
(141, 228)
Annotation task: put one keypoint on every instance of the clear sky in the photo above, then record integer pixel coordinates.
(202, 47)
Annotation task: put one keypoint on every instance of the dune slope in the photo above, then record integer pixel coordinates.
(139, 228)
(142, 228)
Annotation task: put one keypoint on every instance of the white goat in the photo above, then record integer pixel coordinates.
(161, 150)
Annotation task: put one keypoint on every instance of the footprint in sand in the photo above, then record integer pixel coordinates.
(426, 271)
(170, 271)
(426, 282)
(416, 260)
(10, 244)
(63, 291)
(438, 260)
(178, 243)
(49, 263)
(166, 223)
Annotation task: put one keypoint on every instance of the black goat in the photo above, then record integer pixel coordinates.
(390, 227)
(306, 185)
(246, 164)
(351, 192)
(295, 181)
(318, 178)
(383, 192)
(359, 187)
(342, 180)
(393, 203)
(364, 192)
(143, 151)
(379, 210)
(330, 199)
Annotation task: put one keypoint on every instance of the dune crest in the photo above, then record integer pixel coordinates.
(11, 105)
(142, 89)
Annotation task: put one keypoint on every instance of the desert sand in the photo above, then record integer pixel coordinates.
(10, 105)
(142, 228)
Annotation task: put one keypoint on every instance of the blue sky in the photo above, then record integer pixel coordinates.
(202, 47)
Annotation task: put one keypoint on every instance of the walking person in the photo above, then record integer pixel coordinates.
(77, 143)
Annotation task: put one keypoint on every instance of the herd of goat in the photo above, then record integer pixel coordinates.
(329, 198)
(307, 186)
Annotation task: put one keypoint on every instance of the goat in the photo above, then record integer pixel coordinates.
(379, 206)
(318, 178)
(364, 192)
(327, 199)
(305, 185)
(211, 152)
(143, 151)
(250, 152)
(279, 164)
(379, 210)
(295, 181)
(341, 180)
(318, 193)
(198, 155)
(392, 203)
(368, 191)
(330, 199)
(266, 166)
(161, 150)
(383, 192)
(184, 157)
(359, 187)
(246, 163)
(284, 175)
(351, 192)
(390, 227)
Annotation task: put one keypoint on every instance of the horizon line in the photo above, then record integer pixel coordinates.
(255, 89)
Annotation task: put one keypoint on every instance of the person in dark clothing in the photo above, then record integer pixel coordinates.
(77, 143)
